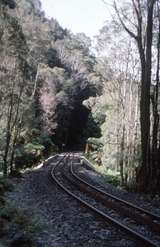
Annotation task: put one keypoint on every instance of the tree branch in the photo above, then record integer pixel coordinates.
(132, 34)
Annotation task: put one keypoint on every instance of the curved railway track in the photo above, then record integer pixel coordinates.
(143, 215)
(62, 176)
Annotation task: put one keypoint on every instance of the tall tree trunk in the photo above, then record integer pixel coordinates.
(145, 100)
(155, 163)
(8, 139)
(8, 134)
(145, 51)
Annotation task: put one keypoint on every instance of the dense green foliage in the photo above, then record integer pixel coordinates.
(46, 72)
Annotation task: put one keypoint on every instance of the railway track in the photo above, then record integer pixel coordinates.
(97, 200)
(143, 216)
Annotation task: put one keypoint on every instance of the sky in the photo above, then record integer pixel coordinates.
(86, 16)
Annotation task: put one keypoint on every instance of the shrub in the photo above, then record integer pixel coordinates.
(8, 212)
(95, 143)
(5, 185)
(28, 155)
(34, 148)
(23, 226)
(15, 173)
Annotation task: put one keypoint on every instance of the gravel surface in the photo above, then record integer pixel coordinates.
(144, 201)
(66, 222)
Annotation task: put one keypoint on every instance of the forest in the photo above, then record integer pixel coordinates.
(57, 95)
(86, 105)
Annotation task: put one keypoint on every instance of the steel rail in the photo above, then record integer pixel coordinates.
(104, 216)
(102, 196)
(129, 204)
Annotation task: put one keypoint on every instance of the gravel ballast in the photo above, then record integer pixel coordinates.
(66, 222)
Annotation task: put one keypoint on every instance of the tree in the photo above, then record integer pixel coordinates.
(155, 147)
(14, 85)
(119, 67)
(143, 11)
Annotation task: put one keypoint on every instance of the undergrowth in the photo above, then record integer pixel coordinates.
(17, 227)
(109, 176)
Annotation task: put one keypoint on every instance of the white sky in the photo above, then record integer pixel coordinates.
(86, 16)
